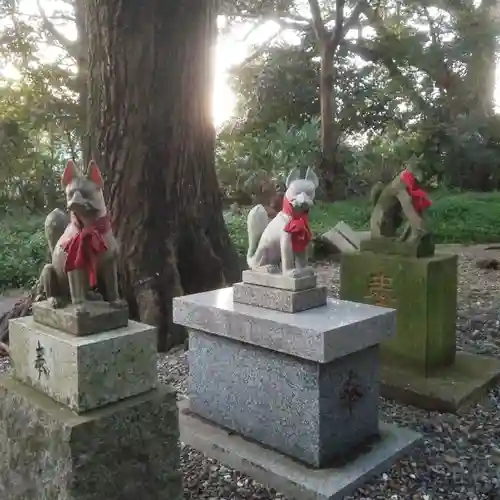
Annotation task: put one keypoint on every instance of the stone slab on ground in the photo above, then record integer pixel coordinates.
(448, 389)
(295, 480)
(126, 451)
(276, 299)
(281, 281)
(424, 293)
(84, 372)
(322, 334)
(99, 317)
(348, 233)
(337, 242)
(300, 408)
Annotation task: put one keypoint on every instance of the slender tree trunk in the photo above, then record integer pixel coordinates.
(331, 170)
(480, 80)
(151, 77)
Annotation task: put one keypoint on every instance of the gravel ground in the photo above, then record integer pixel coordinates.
(460, 455)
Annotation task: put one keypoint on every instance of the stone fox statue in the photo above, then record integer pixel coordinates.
(401, 201)
(81, 243)
(285, 238)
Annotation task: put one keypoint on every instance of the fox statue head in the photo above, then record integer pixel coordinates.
(84, 196)
(301, 192)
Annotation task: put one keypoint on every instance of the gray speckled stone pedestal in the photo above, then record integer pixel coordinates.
(295, 480)
(305, 385)
(84, 418)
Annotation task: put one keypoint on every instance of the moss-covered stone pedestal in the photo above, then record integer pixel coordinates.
(83, 417)
(420, 365)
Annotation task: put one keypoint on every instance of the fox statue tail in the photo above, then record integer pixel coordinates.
(55, 225)
(257, 222)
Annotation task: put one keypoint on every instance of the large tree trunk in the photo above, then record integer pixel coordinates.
(150, 115)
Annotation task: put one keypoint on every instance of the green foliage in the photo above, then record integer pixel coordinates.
(40, 117)
(243, 164)
(423, 79)
(23, 251)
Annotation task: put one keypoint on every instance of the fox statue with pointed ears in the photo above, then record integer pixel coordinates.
(284, 239)
(81, 243)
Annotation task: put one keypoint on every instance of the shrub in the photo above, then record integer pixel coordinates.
(23, 251)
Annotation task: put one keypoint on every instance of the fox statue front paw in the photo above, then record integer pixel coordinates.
(56, 302)
(270, 268)
(300, 272)
(94, 296)
(118, 304)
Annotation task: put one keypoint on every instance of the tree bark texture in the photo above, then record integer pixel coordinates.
(82, 64)
(150, 85)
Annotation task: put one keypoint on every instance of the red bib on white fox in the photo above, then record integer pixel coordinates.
(85, 246)
(298, 227)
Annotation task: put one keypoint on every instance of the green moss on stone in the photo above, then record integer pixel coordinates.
(424, 293)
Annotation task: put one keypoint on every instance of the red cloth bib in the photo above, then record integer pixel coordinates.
(85, 246)
(419, 198)
(298, 227)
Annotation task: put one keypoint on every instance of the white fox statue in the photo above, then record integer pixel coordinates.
(281, 244)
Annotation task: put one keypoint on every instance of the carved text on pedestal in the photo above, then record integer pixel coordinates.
(380, 290)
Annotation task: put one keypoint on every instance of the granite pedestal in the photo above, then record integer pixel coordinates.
(420, 365)
(304, 385)
(84, 418)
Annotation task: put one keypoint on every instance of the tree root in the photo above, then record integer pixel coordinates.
(20, 309)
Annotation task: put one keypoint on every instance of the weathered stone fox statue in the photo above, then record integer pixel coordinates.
(81, 243)
(283, 241)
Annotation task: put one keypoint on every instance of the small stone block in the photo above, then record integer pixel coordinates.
(280, 281)
(337, 242)
(321, 334)
(279, 300)
(312, 412)
(392, 246)
(291, 478)
(446, 390)
(348, 233)
(126, 451)
(86, 372)
(99, 317)
(424, 293)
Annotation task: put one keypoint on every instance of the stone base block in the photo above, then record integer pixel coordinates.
(98, 317)
(84, 373)
(126, 451)
(425, 247)
(278, 299)
(281, 281)
(294, 480)
(424, 293)
(313, 412)
(446, 390)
